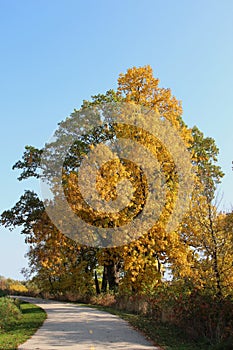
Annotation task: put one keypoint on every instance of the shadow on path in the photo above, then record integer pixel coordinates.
(78, 327)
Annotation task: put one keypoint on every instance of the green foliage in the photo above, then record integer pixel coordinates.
(30, 163)
(9, 312)
(19, 331)
(25, 212)
(205, 157)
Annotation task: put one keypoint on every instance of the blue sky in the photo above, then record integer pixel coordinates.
(56, 53)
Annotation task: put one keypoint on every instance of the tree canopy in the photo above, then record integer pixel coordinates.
(197, 249)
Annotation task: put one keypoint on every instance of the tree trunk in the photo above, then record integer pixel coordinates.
(215, 256)
(217, 274)
(97, 287)
(104, 280)
(113, 276)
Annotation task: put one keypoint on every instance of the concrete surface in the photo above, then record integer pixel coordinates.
(73, 327)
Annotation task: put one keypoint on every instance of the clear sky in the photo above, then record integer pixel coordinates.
(56, 53)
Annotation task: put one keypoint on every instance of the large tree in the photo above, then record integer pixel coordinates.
(59, 259)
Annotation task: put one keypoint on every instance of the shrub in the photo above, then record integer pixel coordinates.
(205, 316)
(9, 312)
(105, 299)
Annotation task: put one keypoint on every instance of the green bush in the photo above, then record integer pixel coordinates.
(9, 312)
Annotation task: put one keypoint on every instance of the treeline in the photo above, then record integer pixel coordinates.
(9, 286)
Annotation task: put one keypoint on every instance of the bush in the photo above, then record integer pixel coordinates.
(200, 315)
(205, 316)
(9, 312)
(104, 299)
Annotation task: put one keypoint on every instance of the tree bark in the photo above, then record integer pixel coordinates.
(104, 280)
(113, 274)
(97, 287)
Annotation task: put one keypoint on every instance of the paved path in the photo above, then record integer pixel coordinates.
(71, 327)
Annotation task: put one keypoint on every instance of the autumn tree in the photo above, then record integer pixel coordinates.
(58, 263)
(135, 264)
(205, 229)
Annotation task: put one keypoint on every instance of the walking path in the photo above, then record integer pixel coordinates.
(71, 327)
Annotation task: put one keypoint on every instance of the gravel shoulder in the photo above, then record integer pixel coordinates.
(79, 327)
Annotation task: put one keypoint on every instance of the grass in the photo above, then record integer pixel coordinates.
(165, 336)
(162, 335)
(19, 331)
